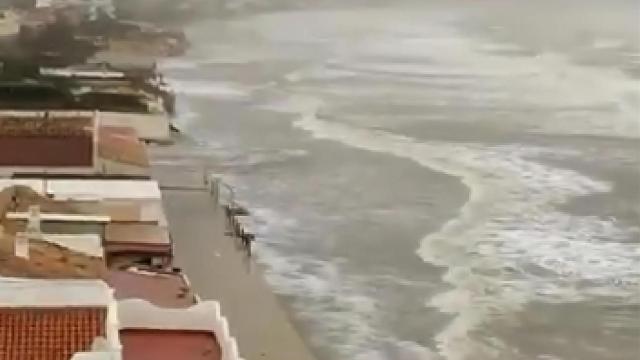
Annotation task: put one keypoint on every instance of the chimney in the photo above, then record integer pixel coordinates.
(21, 246)
(33, 224)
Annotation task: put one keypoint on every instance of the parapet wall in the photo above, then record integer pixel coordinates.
(204, 316)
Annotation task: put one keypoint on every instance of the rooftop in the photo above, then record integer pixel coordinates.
(87, 244)
(48, 261)
(52, 256)
(121, 144)
(49, 333)
(47, 293)
(178, 333)
(54, 319)
(82, 73)
(71, 244)
(151, 344)
(147, 240)
(17, 195)
(116, 95)
(119, 211)
(29, 95)
(68, 143)
(45, 124)
(103, 189)
(161, 289)
(136, 233)
(90, 69)
(36, 185)
(84, 190)
(29, 192)
(32, 141)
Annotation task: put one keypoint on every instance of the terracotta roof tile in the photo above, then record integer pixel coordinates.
(45, 126)
(36, 141)
(48, 334)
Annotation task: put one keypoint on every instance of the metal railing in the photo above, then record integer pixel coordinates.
(215, 185)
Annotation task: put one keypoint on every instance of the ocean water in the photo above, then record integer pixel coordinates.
(434, 180)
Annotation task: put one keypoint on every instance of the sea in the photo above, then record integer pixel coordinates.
(432, 180)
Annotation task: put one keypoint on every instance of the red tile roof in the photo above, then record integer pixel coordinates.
(48, 334)
(37, 141)
(145, 344)
(32, 151)
(41, 125)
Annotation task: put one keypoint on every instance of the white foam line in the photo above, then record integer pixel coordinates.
(511, 205)
(209, 89)
(318, 72)
(177, 64)
(547, 80)
(330, 301)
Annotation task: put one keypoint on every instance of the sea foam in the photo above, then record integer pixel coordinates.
(510, 244)
(209, 89)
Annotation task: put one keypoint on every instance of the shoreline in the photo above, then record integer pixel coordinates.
(217, 266)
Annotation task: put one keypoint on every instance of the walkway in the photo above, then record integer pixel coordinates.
(218, 269)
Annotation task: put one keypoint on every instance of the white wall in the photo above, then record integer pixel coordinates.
(104, 189)
(20, 292)
(36, 184)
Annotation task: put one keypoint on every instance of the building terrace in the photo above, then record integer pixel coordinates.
(128, 229)
(68, 144)
(85, 321)
(84, 221)
(118, 103)
(49, 319)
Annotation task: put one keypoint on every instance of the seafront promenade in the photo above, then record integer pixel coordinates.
(219, 268)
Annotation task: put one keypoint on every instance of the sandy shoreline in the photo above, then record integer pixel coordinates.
(219, 270)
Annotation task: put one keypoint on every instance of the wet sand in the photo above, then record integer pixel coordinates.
(220, 270)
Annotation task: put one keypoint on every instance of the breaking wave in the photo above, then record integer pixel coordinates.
(334, 303)
(492, 266)
(259, 157)
(509, 245)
